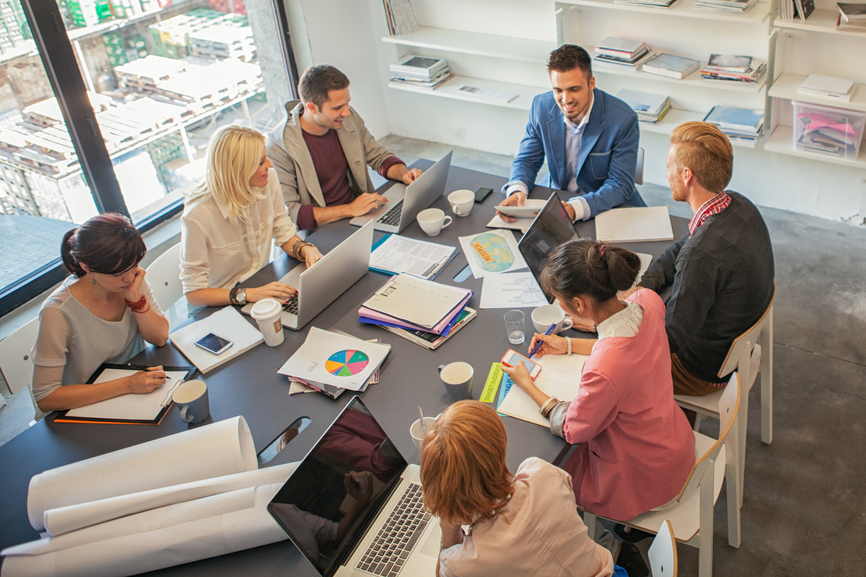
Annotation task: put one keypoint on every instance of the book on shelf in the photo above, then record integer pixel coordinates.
(851, 25)
(839, 88)
(421, 67)
(851, 12)
(420, 83)
(804, 8)
(433, 341)
(400, 16)
(671, 66)
(737, 123)
(733, 68)
(612, 62)
(738, 6)
(651, 3)
(622, 48)
(649, 107)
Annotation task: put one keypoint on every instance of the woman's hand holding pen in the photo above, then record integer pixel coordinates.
(550, 345)
(147, 380)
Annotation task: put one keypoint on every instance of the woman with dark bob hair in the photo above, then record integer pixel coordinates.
(523, 524)
(98, 315)
(634, 447)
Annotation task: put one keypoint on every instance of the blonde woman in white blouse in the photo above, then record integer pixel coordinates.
(230, 220)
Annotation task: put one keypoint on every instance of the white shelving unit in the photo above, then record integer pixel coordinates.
(781, 141)
(525, 94)
(787, 85)
(693, 80)
(820, 21)
(757, 14)
(491, 45)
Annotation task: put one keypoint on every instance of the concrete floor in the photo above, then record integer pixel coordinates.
(804, 509)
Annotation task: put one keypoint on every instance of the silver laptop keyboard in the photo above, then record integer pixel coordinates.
(389, 550)
(291, 306)
(392, 217)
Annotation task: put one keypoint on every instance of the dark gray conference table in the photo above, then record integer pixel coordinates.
(250, 386)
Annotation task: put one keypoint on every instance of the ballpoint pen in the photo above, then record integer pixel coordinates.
(143, 368)
(538, 345)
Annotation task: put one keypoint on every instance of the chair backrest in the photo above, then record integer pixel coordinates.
(638, 173)
(163, 275)
(16, 366)
(729, 406)
(747, 339)
(663, 552)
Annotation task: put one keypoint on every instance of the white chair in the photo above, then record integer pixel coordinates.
(15, 363)
(691, 512)
(663, 552)
(163, 275)
(638, 173)
(749, 359)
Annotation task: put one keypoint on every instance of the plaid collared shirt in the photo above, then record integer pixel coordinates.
(713, 206)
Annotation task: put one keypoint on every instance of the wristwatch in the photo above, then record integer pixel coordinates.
(241, 297)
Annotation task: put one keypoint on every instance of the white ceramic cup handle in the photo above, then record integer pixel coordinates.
(456, 209)
(567, 323)
(446, 221)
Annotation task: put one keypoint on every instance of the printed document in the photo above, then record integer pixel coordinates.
(401, 254)
(492, 252)
(512, 290)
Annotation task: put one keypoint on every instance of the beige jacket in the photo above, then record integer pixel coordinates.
(289, 153)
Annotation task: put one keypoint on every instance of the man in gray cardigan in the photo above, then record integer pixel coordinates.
(322, 151)
(722, 271)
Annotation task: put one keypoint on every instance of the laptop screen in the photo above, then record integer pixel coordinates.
(336, 491)
(551, 228)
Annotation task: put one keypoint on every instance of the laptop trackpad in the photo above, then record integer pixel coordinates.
(431, 544)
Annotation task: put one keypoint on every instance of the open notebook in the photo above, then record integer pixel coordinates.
(559, 377)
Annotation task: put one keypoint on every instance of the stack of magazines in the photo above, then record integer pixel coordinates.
(422, 311)
(739, 124)
(649, 107)
(671, 66)
(731, 68)
(420, 72)
(620, 52)
(725, 5)
(852, 17)
(654, 3)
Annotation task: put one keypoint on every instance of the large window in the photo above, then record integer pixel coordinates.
(160, 77)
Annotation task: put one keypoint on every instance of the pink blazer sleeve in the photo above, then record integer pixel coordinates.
(593, 410)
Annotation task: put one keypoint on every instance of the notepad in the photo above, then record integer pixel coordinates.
(143, 409)
(559, 377)
(227, 323)
(634, 225)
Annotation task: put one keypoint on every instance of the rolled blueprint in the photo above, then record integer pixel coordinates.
(153, 540)
(218, 449)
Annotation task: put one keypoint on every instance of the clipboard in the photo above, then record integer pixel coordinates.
(158, 399)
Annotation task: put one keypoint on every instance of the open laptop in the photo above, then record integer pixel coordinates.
(353, 506)
(551, 228)
(321, 284)
(406, 201)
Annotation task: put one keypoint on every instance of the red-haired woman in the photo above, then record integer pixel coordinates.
(523, 524)
(98, 315)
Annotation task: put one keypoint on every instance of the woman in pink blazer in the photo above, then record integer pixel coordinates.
(635, 448)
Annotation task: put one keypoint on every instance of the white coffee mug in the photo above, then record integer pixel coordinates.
(432, 221)
(268, 315)
(461, 202)
(546, 315)
(417, 431)
(457, 378)
(191, 398)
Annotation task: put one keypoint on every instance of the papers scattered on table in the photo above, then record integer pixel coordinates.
(227, 323)
(333, 359)
(509, 291)
(492, 252)
(559, 377)
(395, 254)
(297, 387)
(634, 224)
(130, 408)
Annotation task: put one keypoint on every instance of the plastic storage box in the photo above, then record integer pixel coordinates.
(827, 130)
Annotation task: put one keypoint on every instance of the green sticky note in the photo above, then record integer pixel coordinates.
(493, 379)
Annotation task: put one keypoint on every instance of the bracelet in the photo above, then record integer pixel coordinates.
(297, 248)
(548, 406)
(233, 295)
(568, 342)
(141, 306)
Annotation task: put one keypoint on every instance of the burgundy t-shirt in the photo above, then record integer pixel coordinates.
(332, 170)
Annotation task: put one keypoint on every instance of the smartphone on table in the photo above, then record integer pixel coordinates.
(512, 358)
(214, 343)
(481, 194)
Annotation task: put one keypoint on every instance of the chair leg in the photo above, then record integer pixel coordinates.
(699, 418)
(767, 381)
(705, 533)
(740, 427)
(733, 482)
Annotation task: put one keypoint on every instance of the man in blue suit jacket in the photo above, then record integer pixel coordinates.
(589, 138)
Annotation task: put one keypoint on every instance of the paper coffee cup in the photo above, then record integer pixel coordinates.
(268, 315)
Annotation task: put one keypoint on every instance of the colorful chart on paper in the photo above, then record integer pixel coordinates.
(347, 363)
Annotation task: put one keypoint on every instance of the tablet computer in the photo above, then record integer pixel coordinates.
(530, 208)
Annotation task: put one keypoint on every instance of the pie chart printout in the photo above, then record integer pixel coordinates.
(347, 363)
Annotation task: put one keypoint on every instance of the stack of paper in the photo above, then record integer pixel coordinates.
(335, 360)
(737, 123)
(733, 68)
(433, 341)
(415, 304)
(649, 107)
(840, 88)
(420, 71)
(619, 52)
(852, 17)
(725, 5)
(671, 66)
(394, 254)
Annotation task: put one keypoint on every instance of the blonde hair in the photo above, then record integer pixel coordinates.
(233, 156)
(464, 476)
(706, 151)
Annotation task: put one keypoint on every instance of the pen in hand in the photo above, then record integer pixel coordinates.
(540, 342)
(143, 368)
